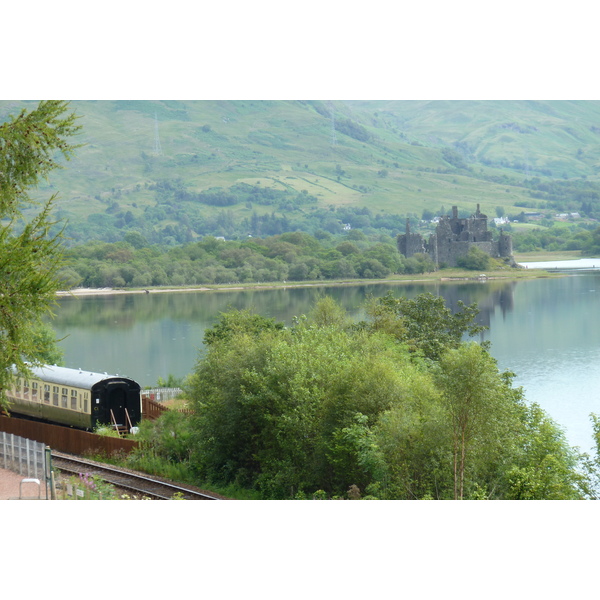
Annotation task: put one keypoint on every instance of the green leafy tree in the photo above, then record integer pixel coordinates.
(544, 466)
(475, 260)
(226, 426)
(480, 408)
(271, 407)
(454, 158)
(46, 349)
(327, 312)
(465, 432)
(31, 145)
(591, 246)
(239, 322)
(424, 323)
(419, 263)
(410, 455)
(592, 463)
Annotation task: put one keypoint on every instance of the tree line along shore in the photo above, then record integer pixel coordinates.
(288, 258)
(162, 284)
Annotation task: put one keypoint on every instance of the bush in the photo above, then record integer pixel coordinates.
(474, 260)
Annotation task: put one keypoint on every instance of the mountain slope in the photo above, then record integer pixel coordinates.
(150, 165)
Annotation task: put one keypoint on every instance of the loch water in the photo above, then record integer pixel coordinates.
(544, 330)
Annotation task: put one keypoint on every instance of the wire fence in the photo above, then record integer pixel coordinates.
(22, 455)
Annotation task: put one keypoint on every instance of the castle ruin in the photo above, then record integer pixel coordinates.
(452, 239)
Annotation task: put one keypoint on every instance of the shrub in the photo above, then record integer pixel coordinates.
(474, 260)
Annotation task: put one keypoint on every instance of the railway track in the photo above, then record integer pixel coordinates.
(132, 482)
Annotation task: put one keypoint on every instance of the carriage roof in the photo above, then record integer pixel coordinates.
(72, 377)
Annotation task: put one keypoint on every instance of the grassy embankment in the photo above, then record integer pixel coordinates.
(542, 256)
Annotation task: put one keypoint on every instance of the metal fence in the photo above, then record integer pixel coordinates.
(66, 439)
(161, 394)
(22, 455)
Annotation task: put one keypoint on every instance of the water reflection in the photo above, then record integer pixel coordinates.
(125, 311)
(153, 335)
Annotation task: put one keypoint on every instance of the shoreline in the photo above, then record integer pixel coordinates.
(525, 270)
(520, 274)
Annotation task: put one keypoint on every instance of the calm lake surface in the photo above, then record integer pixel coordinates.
(544, 330)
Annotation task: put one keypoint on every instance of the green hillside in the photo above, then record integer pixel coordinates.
(177, 170)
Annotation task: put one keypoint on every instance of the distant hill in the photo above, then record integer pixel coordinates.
(176, 170)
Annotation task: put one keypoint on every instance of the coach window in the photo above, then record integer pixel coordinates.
(73, 399)
(18, 388)
(26, 390)
(55, 395)
(85, 401)
(34, 391)
(46, 394)
(64, 398)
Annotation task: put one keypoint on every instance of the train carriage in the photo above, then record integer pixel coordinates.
(76, 398)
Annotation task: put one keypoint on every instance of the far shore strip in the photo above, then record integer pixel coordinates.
(110, 291)
(267, 286)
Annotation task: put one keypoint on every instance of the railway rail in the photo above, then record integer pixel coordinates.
(137, 483)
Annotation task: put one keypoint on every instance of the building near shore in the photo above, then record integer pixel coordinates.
(453, 238)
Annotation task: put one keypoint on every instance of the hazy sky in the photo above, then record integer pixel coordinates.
(319, 50)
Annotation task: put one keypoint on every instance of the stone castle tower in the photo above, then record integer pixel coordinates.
(453, 237)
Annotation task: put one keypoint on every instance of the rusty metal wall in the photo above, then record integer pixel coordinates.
(66, 439)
